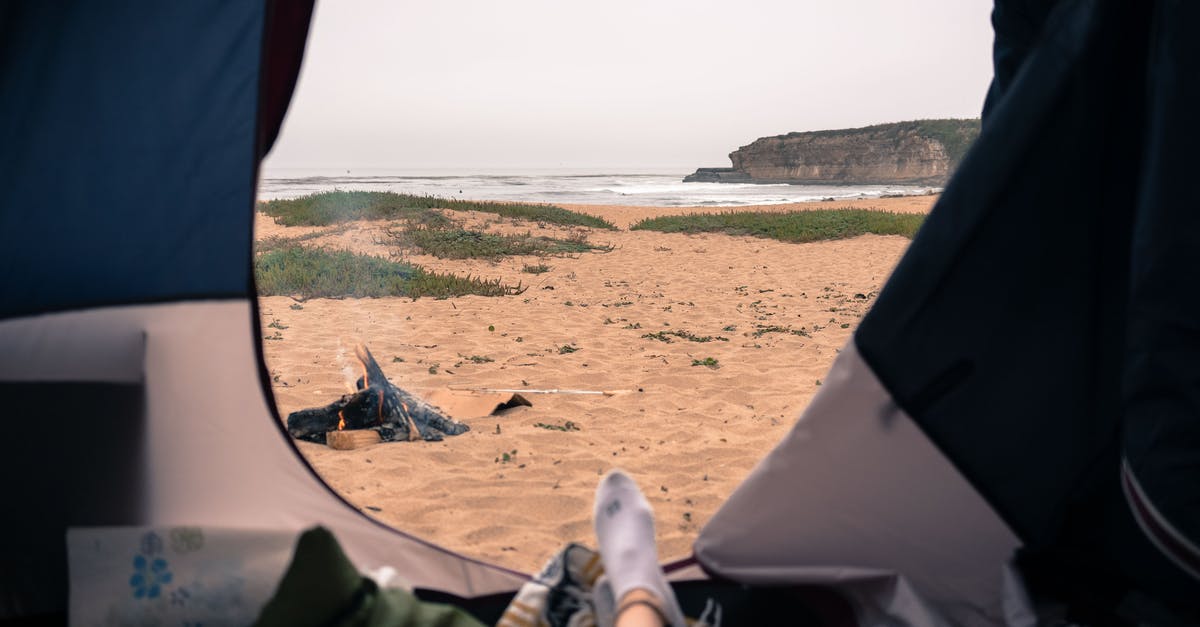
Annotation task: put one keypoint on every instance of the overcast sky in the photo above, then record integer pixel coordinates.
(621, 84)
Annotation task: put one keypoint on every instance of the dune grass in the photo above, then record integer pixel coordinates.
(340, 206)
(320, 273)
(276, 242)
(792, 226)
(457, 243)
(665, 336)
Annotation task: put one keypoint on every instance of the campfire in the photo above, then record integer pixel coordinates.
(378, 411)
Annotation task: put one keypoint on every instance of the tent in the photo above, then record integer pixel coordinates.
(1073, 409)
(957, 430)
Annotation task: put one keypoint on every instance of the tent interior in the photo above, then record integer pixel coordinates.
(1001, 484)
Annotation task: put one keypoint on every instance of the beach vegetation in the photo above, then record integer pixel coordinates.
(538, 268)
(762, 329)
(275, 242)
(566, 426)
(707, 362)
(428, 219)
(665, 336)
(321, 273)
(457, 243)
(339, 206)
(791, 226)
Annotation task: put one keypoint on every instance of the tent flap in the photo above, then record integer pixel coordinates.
(858, 497)
(127, 173)
(1043, 323)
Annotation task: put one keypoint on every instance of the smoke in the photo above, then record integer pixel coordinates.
(349, 373)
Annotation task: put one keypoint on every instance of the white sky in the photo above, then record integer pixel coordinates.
(621, 83)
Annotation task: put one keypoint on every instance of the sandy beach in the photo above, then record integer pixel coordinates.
(513, 492)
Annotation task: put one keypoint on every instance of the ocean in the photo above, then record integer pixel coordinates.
(654, 188)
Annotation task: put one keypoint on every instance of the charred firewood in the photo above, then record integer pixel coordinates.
(378, 405)
(352, 411)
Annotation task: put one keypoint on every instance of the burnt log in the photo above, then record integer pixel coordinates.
(352, 411)
(379, 405)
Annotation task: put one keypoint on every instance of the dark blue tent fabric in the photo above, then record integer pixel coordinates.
(1044, 325)
(1017, 25)
(127, 151)
(1162, 374)
(284, 36)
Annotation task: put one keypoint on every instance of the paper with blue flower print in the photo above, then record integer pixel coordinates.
(149, 577)
(173, 575)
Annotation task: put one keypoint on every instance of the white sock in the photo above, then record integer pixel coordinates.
(625, 530)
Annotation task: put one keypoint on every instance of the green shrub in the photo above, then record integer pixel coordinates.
(464, 244)
(791, 226)
(316, 273)
(340, 206)
(665, 336)
(275, 242)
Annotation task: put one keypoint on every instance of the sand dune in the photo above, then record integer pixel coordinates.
(777, 314)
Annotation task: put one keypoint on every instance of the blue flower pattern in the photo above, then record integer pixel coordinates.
(149, 576)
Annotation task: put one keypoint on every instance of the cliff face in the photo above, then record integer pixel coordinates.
(923, 152)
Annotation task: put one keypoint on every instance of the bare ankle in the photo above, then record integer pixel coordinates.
(640, 607)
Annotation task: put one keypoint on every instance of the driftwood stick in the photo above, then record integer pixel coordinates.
(538, 391)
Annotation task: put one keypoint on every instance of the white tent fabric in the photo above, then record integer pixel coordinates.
(855, 494)
(212, 455)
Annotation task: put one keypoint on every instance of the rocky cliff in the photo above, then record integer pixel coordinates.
(921, 152)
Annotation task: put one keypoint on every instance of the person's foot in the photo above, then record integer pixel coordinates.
(625, 531)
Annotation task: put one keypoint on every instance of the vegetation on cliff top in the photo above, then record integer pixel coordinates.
(791, 226)
(956, 135)
(342, 206)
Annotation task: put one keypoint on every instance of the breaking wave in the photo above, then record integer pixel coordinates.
(598, 188)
